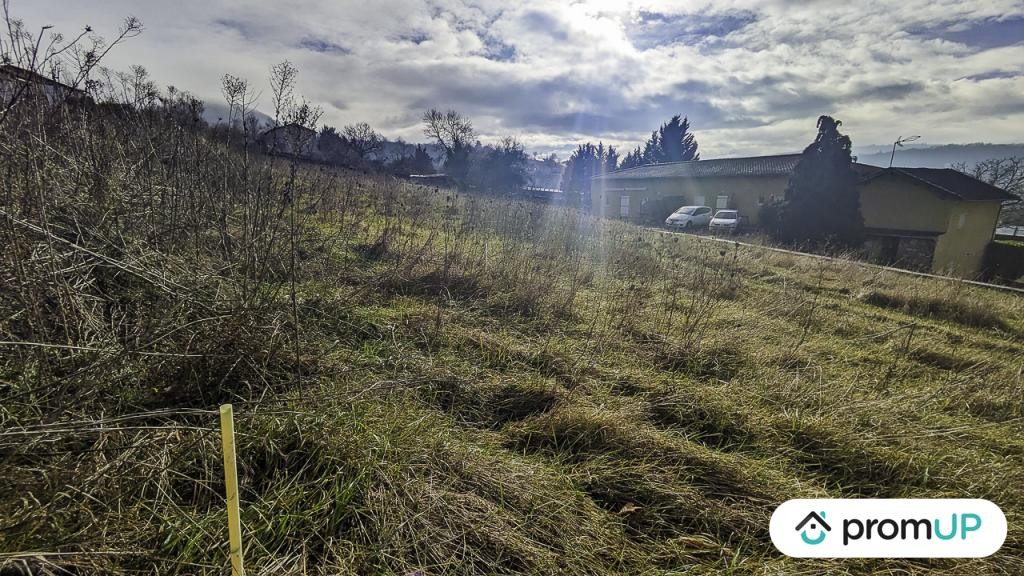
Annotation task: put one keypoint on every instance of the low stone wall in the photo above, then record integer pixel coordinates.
(903, 252)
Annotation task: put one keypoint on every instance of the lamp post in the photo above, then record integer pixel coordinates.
(899, 142)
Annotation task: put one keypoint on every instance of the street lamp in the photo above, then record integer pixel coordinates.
(899, 142)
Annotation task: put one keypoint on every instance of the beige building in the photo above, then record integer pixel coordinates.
(919, 218)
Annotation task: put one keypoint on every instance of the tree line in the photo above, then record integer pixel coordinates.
(671, 142)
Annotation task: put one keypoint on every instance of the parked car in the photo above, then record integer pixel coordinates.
(725, 221)
(689, 217)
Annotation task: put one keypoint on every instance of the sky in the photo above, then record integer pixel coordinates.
(751, 76)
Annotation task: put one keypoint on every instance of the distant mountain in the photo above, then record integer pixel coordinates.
(936, 156)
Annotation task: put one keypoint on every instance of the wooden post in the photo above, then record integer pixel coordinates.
(227, 436)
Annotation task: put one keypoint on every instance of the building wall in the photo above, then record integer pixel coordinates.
(961, 250)
(966, 228)
(899, 204)
(745, 194)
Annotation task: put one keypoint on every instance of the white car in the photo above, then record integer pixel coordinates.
(689, 217)
(725, 221)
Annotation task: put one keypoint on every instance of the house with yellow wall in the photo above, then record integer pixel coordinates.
(927, 219)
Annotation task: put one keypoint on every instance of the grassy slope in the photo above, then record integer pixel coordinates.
(494, 387)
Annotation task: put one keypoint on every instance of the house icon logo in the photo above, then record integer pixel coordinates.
(817, 524)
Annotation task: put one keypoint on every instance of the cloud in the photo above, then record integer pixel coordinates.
(538, 22)
(323, 46)
(752, 76)
(987, 33)
(651, 29)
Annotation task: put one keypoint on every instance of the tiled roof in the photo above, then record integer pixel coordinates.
(951, 183)
(945, 181)
(781, 165)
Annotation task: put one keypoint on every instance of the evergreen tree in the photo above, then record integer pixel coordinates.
(632, 160)
(422, 163)
(652, 150)
(586, 162)
(611, 160)
(675, 142)
(499, 169)
(671, 142)
(822, 204)
(336, 149)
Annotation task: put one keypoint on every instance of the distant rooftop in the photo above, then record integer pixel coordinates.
(291, 126)
(23, 75)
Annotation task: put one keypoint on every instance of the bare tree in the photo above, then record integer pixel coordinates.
(362, 139)
(282, 88)
(449, 129)
(1006, 173)
(240, 99)
(455, 134)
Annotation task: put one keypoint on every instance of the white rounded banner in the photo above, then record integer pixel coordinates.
(888, 528)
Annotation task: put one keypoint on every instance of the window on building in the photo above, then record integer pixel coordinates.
(722, 201)
(624, 205)
(963, 220)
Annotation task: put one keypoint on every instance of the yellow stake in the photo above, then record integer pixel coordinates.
(227, 436)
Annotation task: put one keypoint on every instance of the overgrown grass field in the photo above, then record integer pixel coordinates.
(427, 382)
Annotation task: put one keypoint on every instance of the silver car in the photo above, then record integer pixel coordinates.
(726, 221)
(689, 217)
